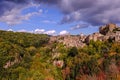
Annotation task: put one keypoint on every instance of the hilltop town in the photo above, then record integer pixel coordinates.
(107, 32)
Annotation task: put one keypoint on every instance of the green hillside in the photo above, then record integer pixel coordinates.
(26, 56)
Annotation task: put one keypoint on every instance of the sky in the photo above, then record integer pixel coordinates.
(58, 17)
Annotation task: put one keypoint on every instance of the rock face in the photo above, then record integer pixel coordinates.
(95, 36)
(73, 41)
(108, 28)
(70, 40)
(10, 63)
(106, 32)
(110, 31)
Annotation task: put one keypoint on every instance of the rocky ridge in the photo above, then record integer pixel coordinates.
(107, 32)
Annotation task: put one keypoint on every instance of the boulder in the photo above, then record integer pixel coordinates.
(108, 28)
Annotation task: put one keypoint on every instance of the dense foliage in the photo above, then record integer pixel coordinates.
(25, 56)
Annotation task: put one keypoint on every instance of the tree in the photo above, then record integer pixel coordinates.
(73, 52)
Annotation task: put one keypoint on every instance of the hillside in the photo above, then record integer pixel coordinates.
(27, 56)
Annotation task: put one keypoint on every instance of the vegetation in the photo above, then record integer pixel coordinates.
(26, 56)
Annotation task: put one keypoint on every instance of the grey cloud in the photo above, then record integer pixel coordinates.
(75, 16)
(48, 1)
(100, 13)
(95, 12)
(18, 1)
(11, 11)
(5, 6)
(68, 6)
(14, 17)
(8, 5)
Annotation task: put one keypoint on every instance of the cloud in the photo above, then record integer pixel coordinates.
(43, 31)
(50, 32)
(9, 30)
(64, 32)
(22, 30)
(74, 16)
(79, 26)
(39, 31)
(49, 22)
(36, 31)
(11, 11)
(8, 5)
(14, 17)
(48, 1)
(17, 1)
(95, 12)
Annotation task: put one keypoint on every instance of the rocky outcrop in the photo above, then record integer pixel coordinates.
(70, 40)
(10, 63)
(95, 36)
(108, 28)
(73, 41)
(106, 32)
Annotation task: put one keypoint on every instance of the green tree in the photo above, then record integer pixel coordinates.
(73, 52)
